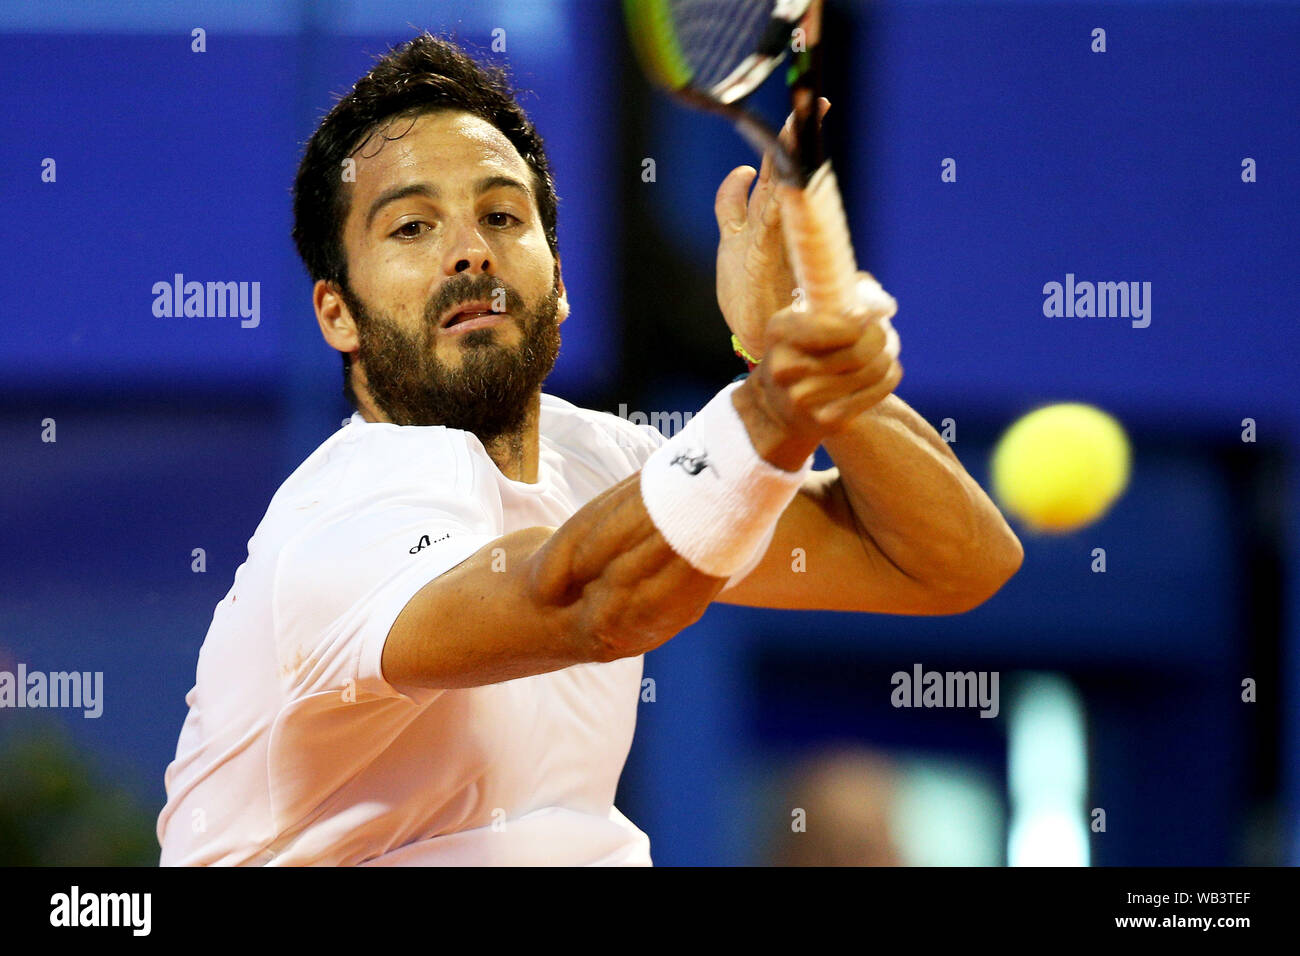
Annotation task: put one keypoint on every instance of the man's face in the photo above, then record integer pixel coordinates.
(453, 288)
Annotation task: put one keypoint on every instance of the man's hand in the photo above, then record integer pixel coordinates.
(820, 372)
(755, 278)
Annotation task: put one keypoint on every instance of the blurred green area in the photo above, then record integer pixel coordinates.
(59, 808)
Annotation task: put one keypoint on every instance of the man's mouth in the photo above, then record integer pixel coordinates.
(470, 315)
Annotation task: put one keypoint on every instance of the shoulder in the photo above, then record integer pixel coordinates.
(373, 460)
(358, 510)
(370, 473)
(597, 436)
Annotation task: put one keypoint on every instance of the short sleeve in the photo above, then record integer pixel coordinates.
(378, 613)
(340, 587)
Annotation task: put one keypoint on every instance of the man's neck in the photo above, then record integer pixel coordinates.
(516, 454)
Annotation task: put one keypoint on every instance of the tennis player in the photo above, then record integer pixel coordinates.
(433, 652)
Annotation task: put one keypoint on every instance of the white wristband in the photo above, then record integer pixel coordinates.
(711, 495)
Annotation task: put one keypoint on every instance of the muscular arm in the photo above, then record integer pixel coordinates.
(899, 527)
(604, 585)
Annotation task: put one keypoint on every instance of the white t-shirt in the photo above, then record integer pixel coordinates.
(296, 751)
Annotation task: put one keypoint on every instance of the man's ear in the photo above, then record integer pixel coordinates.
(335, 319)
(562, 307)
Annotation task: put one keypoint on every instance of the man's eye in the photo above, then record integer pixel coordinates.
(500, 219)
(410, 230)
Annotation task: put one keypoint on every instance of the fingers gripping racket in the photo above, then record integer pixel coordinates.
(711, 55)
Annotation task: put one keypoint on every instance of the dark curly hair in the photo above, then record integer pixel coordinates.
(423, 75)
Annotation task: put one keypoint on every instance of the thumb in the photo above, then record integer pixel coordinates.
(729, 205)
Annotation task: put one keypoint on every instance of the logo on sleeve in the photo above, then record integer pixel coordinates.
(425, 542)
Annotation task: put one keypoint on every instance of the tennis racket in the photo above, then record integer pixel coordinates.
(711, 55)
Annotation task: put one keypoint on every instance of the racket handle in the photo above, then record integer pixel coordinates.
(821, 249)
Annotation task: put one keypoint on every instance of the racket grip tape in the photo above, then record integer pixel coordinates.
(821, 249)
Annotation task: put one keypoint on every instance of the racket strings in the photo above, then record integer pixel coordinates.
(717, 36)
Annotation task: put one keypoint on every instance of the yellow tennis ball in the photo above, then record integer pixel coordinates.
(1061, 467)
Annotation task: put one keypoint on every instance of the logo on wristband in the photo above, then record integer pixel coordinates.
(692, 464)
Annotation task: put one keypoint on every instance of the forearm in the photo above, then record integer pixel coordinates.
(608, 574)
(656, 549)
(602, 586)
(914, 499)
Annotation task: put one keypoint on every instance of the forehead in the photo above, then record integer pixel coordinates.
(440, 147)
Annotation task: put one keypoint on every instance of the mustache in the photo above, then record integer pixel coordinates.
(467, 288)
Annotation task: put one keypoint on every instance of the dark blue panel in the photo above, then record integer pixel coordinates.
(1124, 165)
(98, 559)
(167, 162)
(1167, 766)
(173, 162)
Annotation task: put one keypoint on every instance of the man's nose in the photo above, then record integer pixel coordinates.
(468, 252)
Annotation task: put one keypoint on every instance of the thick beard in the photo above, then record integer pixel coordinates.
(492, 391)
